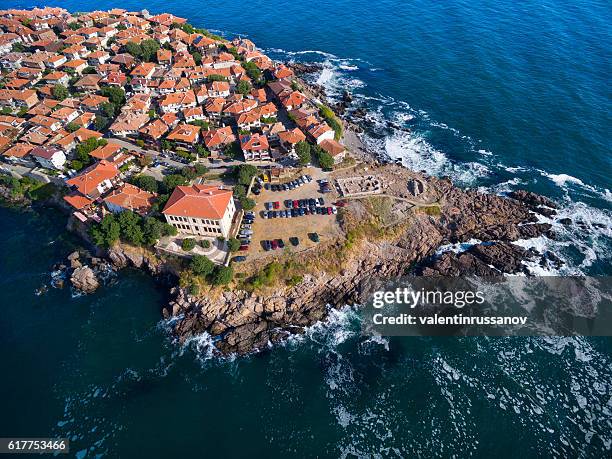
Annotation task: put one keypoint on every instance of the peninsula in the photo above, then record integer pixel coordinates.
(222, 171)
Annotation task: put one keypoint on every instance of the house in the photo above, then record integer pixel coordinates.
(185, 135)
(77, 65)
(248, 120)
(128, 124)
(18, 152)
(57, 78)
(52, 124)
(89, 83)
(202, 210)
(152, 132)
(106, 152)
(193, 114)
(282, 72)
(130, 197)
(65, 114)
(289, 139)
(255, 147)
(144, 70)
(214, 107)
(216, 139)
(240, 106)
(95, 180)
(218, 89)
(335, 149)
(49, 157)
(320, 132)
(292, 100)
(177, 101)
(56, 61)
(164, 56)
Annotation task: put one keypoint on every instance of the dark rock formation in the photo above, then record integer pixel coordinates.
(302, 68)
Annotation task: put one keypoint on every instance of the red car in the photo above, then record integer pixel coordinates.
(329, 211)
(341, 203)
(244, 247)
(276, 205)
(274, 245)
(296, 204)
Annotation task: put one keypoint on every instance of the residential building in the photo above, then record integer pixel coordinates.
(201, 210)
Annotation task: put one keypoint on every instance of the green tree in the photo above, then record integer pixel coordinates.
(245, 173)
(201, 265)
(108, 109)
(172, 181)
(153, 230)
(302, 149)
(72, 127)
(231, 150)
(233, 244)
(243, 87)
(200, 169)
(131, 229)
(146, 182)
(107, 232)
(149, 48)
(247, 203)
(331, 119)
(101, 122)
(197, 58)
(222, 275)
(252, 70)
(60, 92)
(188, 244)
(215, 77)
(326, 161)
(116, 95)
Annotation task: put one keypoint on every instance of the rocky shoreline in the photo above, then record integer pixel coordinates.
(242, 322)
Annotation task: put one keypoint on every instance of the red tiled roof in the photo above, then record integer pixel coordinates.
(199, 201)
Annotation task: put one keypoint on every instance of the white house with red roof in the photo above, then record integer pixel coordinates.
(201, 210)
(49, 157)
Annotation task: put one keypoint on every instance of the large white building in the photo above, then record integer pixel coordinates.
(201, 210)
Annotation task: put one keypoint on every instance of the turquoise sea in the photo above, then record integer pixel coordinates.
(498, 95)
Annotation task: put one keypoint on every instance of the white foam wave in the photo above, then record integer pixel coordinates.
(566, 181)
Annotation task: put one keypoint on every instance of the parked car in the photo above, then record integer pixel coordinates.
(314, 237)
(321, 201)
(276, 205)
(341, 203)
(243, 247)
(329, 211)
(281, 244)
(274, 244)
(334, 209)
(266, 245)
(295, 241)
(239, 258)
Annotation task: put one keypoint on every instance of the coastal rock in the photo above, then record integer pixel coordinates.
(301, 68)
(84, 279)
(117, 258)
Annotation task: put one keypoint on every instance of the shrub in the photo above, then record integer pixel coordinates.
(205, 243)
(233, 244)
(188, 244)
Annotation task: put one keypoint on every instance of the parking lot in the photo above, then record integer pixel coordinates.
(268, 229)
